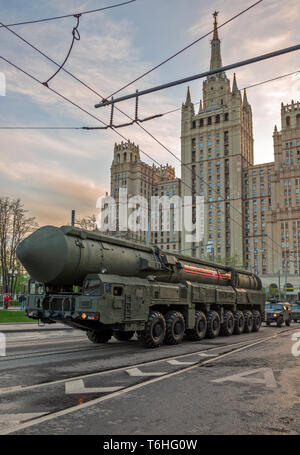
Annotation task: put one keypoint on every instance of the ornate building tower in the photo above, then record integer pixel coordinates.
(129, 172)
(284, 219)
(216, 145)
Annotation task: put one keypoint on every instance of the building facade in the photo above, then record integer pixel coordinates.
(139, 179)
(216, 145)
(251, 212)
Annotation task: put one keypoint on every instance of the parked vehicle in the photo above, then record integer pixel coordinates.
(278, 312)
(295, 312)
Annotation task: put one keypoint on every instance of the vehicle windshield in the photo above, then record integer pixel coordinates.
(92, 287)
(273, 306)
(36, 288)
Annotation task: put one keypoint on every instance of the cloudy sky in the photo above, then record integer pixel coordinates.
(55, 171)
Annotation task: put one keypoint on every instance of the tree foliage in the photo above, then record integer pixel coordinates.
(89, 223)
(15, 225)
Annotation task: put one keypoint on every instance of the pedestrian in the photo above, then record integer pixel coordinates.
(22, 299)
(6, 301)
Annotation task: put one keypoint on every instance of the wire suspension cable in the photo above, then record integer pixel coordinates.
(184, 49)
(146, 154)
(205, 74)
(240, 90)
(89, 128)
(76, 37)
(108, 126)
(151, 117)
(68, 15)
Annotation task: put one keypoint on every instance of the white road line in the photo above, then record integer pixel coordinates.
(178, 362)
(268, 377)
(137, 372)
(11, 420)
(202, 354)
(129, 389)
(151, 362)
(79, 387)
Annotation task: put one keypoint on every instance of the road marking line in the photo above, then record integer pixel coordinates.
(137, 372)
(79, 387)
(202, 354)
(268, 377)
(10, 389)
(11, 420)
(151, 362)
(177, 362)
(128, 389)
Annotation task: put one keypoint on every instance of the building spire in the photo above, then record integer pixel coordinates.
(234, 84)
(216, 59)
(245, 100)
(188, 97)
(215, 14)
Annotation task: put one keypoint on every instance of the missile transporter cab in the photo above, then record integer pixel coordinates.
(111, 287)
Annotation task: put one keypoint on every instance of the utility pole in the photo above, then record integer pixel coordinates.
(256, 250)
(279, 289)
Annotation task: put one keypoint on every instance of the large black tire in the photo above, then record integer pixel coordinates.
(239, 322)
(99, 337)
(227, 327)
(199, 331)
(213, 324)
(248, 327)
(279, 321)
(268, 324)
(256, 321)
(175, 327)
(123, 336)
(155, 329)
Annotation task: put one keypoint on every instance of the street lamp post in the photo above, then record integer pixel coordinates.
(11, 277)
(285, 278)
(256, 250)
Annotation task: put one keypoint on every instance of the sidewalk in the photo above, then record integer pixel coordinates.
(11, 308)
(32, 327)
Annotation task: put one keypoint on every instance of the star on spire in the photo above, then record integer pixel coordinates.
(215, 15)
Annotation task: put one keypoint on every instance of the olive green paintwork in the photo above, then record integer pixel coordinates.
(65, 256)
(125, 302)
(120, 283)
(278, 312)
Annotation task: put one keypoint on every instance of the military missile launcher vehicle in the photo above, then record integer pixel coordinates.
(112, 287)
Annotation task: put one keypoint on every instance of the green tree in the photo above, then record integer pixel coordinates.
(15, 225)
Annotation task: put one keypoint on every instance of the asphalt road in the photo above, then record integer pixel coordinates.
(57, 382)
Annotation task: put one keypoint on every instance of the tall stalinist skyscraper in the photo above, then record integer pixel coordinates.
(216, 145)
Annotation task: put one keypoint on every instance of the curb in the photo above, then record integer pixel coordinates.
(31, 330)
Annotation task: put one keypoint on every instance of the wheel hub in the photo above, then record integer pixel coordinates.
(177, 328)
(157, 330)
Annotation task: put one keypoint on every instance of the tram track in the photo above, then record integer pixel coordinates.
(227, 350)
(231, 349)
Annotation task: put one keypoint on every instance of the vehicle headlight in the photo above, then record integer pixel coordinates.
(275, 315)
